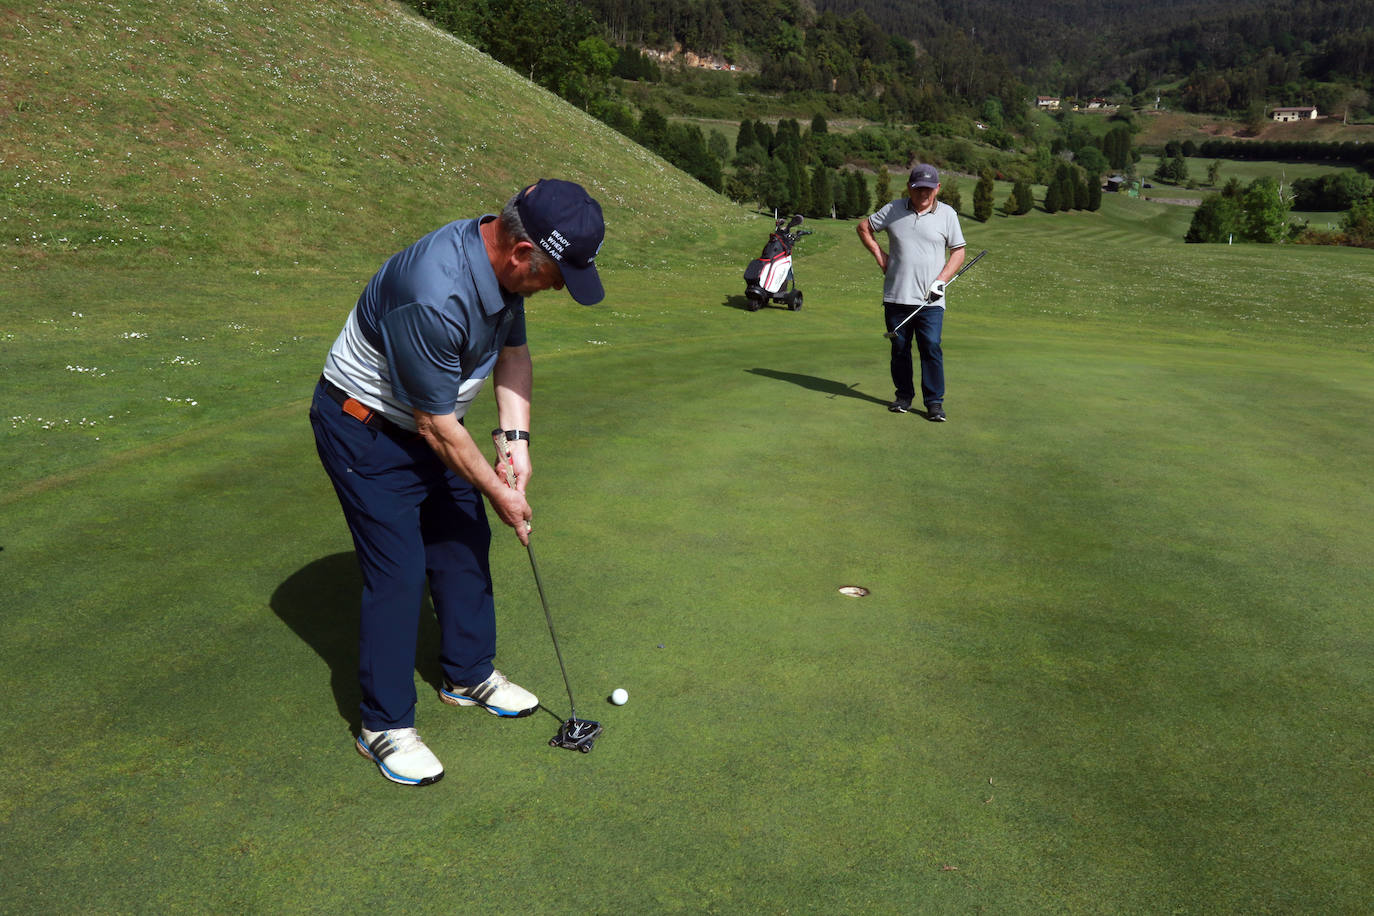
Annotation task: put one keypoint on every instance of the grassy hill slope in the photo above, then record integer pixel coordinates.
(1159, 127)
(282, 134)
(151, 153)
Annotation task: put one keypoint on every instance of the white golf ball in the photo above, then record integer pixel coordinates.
(619, 696)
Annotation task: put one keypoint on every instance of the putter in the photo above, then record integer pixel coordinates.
(574, 734)
(892, 334)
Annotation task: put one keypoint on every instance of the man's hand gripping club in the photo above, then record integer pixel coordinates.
(508, 467)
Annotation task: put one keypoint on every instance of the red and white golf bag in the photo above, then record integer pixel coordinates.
(770, 275)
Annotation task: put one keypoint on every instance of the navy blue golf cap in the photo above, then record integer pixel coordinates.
(924, 176)
(565, 222)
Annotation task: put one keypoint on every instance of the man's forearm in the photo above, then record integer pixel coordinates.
(514, 378)
(453, 445)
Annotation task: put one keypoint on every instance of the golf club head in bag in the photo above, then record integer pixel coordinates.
(575, 734)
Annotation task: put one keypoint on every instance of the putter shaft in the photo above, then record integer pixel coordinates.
(548, 618)
(890, 335)
(499, 437)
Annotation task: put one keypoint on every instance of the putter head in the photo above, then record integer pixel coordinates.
(890, 335)
(576, 735)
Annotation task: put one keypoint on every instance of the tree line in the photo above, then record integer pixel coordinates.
(1236, 61)
(1228, 58)
(796, 50)
(788, 169)
(1353, 152)
(1260, 211)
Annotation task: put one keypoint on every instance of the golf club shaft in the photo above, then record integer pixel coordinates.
(893, 333)
(504, 445)
(548, 618)
(898, 326)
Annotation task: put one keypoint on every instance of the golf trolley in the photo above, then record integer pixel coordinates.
(770, 276)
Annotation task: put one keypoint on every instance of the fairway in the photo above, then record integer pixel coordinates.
(1115, 657)
(1113, 648)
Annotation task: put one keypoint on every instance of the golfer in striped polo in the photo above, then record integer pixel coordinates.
(431, 327)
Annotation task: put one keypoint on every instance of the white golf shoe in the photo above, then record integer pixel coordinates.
(401, 756)
(497, 695)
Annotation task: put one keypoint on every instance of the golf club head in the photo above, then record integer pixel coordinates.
(576, 735)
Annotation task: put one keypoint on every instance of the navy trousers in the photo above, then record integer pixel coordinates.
(924, 331)
(413, 522)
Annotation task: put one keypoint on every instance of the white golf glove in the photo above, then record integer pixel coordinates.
(937, 291)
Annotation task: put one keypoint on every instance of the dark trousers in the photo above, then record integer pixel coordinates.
(413, 521)
(924, 331)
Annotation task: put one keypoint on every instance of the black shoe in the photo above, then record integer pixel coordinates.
(899, 406)
(935, 413)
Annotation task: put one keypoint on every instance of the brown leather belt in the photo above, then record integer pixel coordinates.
(361, 412)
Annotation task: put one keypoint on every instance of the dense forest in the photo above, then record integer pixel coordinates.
(1227, 57)
(951, 82)
(917, 61)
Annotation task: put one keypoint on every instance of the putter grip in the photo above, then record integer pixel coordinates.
(503, 446)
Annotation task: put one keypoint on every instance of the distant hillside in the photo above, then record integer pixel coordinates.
(1225, 56)
(1158, 128)
(178, 129)
(1085, 46)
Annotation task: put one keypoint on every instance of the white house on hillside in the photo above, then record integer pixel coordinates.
(1295, 114)
(1045, 101)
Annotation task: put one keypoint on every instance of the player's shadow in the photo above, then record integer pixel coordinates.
(319, 602)
(823, 385)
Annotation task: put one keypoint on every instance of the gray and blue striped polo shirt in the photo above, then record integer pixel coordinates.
(427, 329)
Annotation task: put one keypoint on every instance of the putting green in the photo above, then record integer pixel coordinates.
(1110, 657)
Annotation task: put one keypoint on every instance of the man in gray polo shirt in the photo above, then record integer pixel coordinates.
(927, 248)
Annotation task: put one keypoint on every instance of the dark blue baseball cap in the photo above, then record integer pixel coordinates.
(924, 176)
(566, 223)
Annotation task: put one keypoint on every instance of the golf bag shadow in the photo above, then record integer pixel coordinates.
(770, 277)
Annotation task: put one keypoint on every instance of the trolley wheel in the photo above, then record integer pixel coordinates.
(796, 301)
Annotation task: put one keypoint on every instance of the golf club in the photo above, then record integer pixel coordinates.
(892, 334)
(574, 734)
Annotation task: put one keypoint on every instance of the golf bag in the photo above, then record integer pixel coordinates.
(770, 277)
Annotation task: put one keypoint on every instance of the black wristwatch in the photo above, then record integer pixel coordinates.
(513, 434)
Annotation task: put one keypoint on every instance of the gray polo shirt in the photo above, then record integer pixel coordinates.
(917, 249)
(427, 329)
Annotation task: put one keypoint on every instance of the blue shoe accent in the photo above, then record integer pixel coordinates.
(481, 694)
(386, 771)
(473, 701)
(388, 746)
